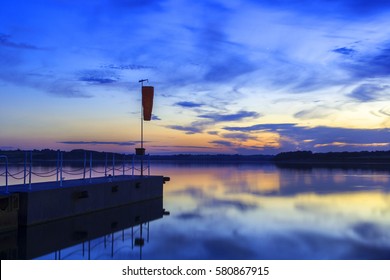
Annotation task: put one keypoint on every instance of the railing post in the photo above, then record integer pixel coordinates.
(58, 165)
(61, 162)
(30, 171)
(148, 165)
(105, 166)
(90, 167)
(113, 165)
(123, 165)
(132, 167)
(6, 172)
(85, 163)
(25, 168)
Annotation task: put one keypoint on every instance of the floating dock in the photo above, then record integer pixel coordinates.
(48, 201)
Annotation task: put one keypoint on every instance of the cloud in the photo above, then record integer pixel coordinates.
(368, 92)
(344, 9)
(126, 67)
(98, 143)
(98, 77)
(231, 117)
(6, 42)
(344, 51)
(371, 64)
(156, 118)
(228, 68)
(187, 129)
(181, 147)
(321, 138)
(222, 143)
(95, 80)
(188, 104)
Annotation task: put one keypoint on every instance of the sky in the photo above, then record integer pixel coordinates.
(231, 77)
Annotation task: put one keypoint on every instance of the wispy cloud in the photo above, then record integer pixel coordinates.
(345, 51)
(292, 136)
(222, 143)
(216, 117)
(190, 129)
(5, 41)
(189, 104)
(126, 143)
(369, 92)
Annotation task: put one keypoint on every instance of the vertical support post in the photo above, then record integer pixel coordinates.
(85, 164)
(57, 164)
(140, 247)
(90, 167)
(113, 165)
(25, 168)
(61, 161)
(148, 165)
(112, 245)
(132, 167)
(123, 165)
(132, 238)
(30, 171)
(148, 233)
(105, 166)
(89, 249)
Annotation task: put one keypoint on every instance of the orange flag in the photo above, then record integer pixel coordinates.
(147, 102)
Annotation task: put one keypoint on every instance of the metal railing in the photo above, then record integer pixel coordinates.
(6, 172)
(80, 173)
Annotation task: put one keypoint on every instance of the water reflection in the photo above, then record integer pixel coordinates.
(108, 234)
(266, 212)
(240, 212)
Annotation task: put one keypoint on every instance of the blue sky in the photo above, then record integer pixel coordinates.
(244, 77)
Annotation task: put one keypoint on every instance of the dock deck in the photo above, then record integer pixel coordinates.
(49, 201)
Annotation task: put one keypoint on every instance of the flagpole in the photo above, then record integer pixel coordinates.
(142, 126)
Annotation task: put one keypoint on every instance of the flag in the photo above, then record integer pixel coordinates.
(147, 102)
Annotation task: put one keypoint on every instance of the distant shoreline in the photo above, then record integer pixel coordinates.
(286, 158)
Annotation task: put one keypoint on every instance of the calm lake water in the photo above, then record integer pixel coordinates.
(254, 211)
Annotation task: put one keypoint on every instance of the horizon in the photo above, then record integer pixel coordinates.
(230, 77)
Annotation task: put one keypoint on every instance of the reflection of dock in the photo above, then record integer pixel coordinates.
(34, 241)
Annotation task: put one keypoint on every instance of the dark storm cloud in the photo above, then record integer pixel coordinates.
(188, 104)
(231, 117)
(98, 143)
(5, 41)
